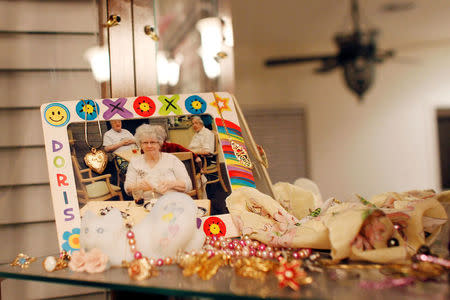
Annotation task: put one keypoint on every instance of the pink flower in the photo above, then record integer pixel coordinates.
(77, 262)
(93, 261)
(96, 261)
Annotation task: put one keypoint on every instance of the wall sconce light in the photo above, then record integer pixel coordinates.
(98, 58)
(210, 51)
(168, 69)
(174, 72)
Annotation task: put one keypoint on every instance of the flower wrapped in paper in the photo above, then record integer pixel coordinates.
(389, 228)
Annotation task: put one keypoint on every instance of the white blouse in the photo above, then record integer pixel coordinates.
(203, 141)
(113, 137)
(168, 168)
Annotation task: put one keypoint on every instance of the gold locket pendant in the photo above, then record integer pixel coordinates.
(96, 160)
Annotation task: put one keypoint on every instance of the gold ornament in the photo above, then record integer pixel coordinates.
(50, 263)
(96, 160)
(141, 269)
(252, 267)
(291, 274)
(22, 260)
(202, 265)
(425, 270)
(64, 255)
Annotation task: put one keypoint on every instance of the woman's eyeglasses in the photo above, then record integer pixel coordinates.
(149, 143)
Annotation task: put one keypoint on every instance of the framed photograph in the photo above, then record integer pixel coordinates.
(86, 173)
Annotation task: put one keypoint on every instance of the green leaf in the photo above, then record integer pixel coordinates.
(367, 213)
(315, 213)
(364, 201)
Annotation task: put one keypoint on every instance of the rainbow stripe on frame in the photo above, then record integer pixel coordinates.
(239, 174)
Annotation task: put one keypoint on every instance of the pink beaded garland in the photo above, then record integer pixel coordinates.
(138, 255)
(305, 252)
(168, 261)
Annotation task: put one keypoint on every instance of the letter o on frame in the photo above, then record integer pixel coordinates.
(59, 161)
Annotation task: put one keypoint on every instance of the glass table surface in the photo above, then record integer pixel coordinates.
(330, 284)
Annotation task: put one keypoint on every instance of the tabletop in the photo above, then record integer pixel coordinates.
(327, 283)
(128, 154)
(330, 284)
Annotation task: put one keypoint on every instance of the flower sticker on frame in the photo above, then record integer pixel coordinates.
(214, 226)
(144, 106)
(195, 104)
(87, 109)
(72, 240)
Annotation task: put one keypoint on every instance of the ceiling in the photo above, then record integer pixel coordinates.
(306, 24)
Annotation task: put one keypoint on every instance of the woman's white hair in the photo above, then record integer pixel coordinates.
(198, 119)
(146, 131)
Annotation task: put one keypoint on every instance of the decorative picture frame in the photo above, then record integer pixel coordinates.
(58, 116)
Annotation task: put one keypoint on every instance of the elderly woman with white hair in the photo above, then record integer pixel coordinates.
(155, 172)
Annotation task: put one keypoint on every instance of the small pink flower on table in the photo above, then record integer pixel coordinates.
(77, 262)
(96, 261)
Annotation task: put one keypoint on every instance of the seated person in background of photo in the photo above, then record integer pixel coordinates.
(174, 147)
(203, 140)
(118, 139)
(155, 172)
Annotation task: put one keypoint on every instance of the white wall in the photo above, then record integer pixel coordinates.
(386, 143)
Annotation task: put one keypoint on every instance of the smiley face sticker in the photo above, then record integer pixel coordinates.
(56, 114)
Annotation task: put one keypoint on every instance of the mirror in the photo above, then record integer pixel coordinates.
(195, 37)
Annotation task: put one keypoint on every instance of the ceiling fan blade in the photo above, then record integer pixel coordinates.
(382, 55)
(327, 66)
(271, 62)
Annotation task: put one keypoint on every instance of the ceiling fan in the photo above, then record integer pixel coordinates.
(357, 56)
